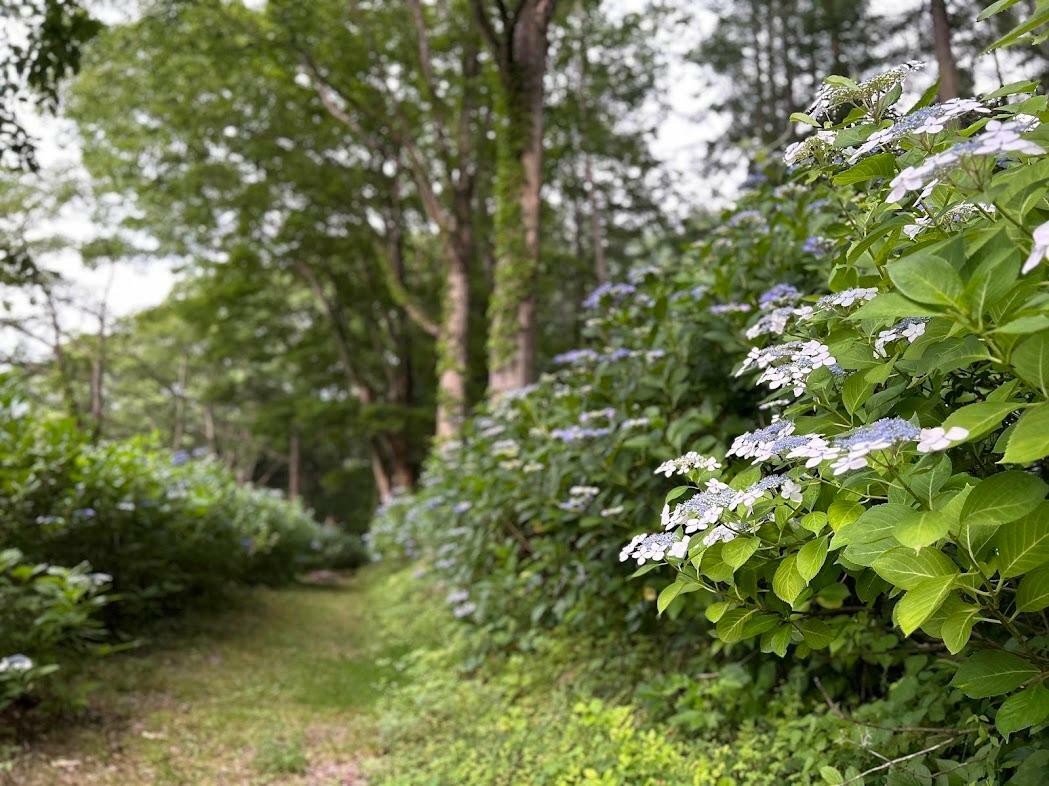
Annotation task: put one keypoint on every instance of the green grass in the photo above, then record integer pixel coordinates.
(275, 689)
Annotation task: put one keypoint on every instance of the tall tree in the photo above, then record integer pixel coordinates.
(518, 40)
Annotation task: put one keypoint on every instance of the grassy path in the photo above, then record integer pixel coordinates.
(273, 691)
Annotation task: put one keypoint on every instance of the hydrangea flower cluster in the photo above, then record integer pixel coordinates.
(615, 292)
(15, 663)
(572, 434)
(928, 120)
(998, 138)
(809, 149)
(775, 321)
(910, 328)
(833, 95)
(949, 220)
(579, 497)
(720, 309)
(817, 245)
(749, 218)
(788, 365)
(847, 298)
(682, 465)
(655, 547)
(850, 451)
(767, 443)
(701, 510)
(779, 295)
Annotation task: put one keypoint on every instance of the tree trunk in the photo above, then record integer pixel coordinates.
(453, 349)
(597, 231)
(180, 405)
(941, 39)
(522, 67)
(294, 465)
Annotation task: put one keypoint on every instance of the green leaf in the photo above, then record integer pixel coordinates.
(667, 596)
(1023, 710)
(736, 552)
(1033, 592)
(922, 528)
(1023, 545)
(738, 624)
(801, 117)
(890, 305)
(1030, 440)
(981, 418)
(831, 775)
(958, 627)
(777, 640)
(875, 524)
(811, 557)
(817, 633)
(927, 279)
(1004, 497)
(882, 165)
(842, 512)
(1028, 324)
(1031, 361)
(906, 568)
(921, 602)
(715, 610)
(992, 673)
(788, 583)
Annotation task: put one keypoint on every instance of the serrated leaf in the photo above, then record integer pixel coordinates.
(738, 624)
(992, 673)
(787, 582)
(905, 568)
(1033, 592)
(958, 627)
(736, 552)
(922, 528)
(1023, 545)
(926, 279)
(882, 165)
(921, 602)
(1004, 497)
(811, 557)
(980, 418)
(1023, 710)
(1030, 438)
(1031, 361)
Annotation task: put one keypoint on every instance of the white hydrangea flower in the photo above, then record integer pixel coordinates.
(847, 298)
(680, 548)
(682, 465)
(997, 138)
(933, 440)
(15, 663)
(1039, 249)
(929, 120)
(910, 328)
(615, 510)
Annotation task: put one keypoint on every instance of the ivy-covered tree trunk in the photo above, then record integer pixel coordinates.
(521, 54)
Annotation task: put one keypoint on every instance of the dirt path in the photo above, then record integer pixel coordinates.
(273, 691)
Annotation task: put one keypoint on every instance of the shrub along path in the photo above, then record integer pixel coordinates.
(273, 691)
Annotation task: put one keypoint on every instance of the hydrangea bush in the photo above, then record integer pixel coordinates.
(860, 470)
(148, 531)
(521, 515)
